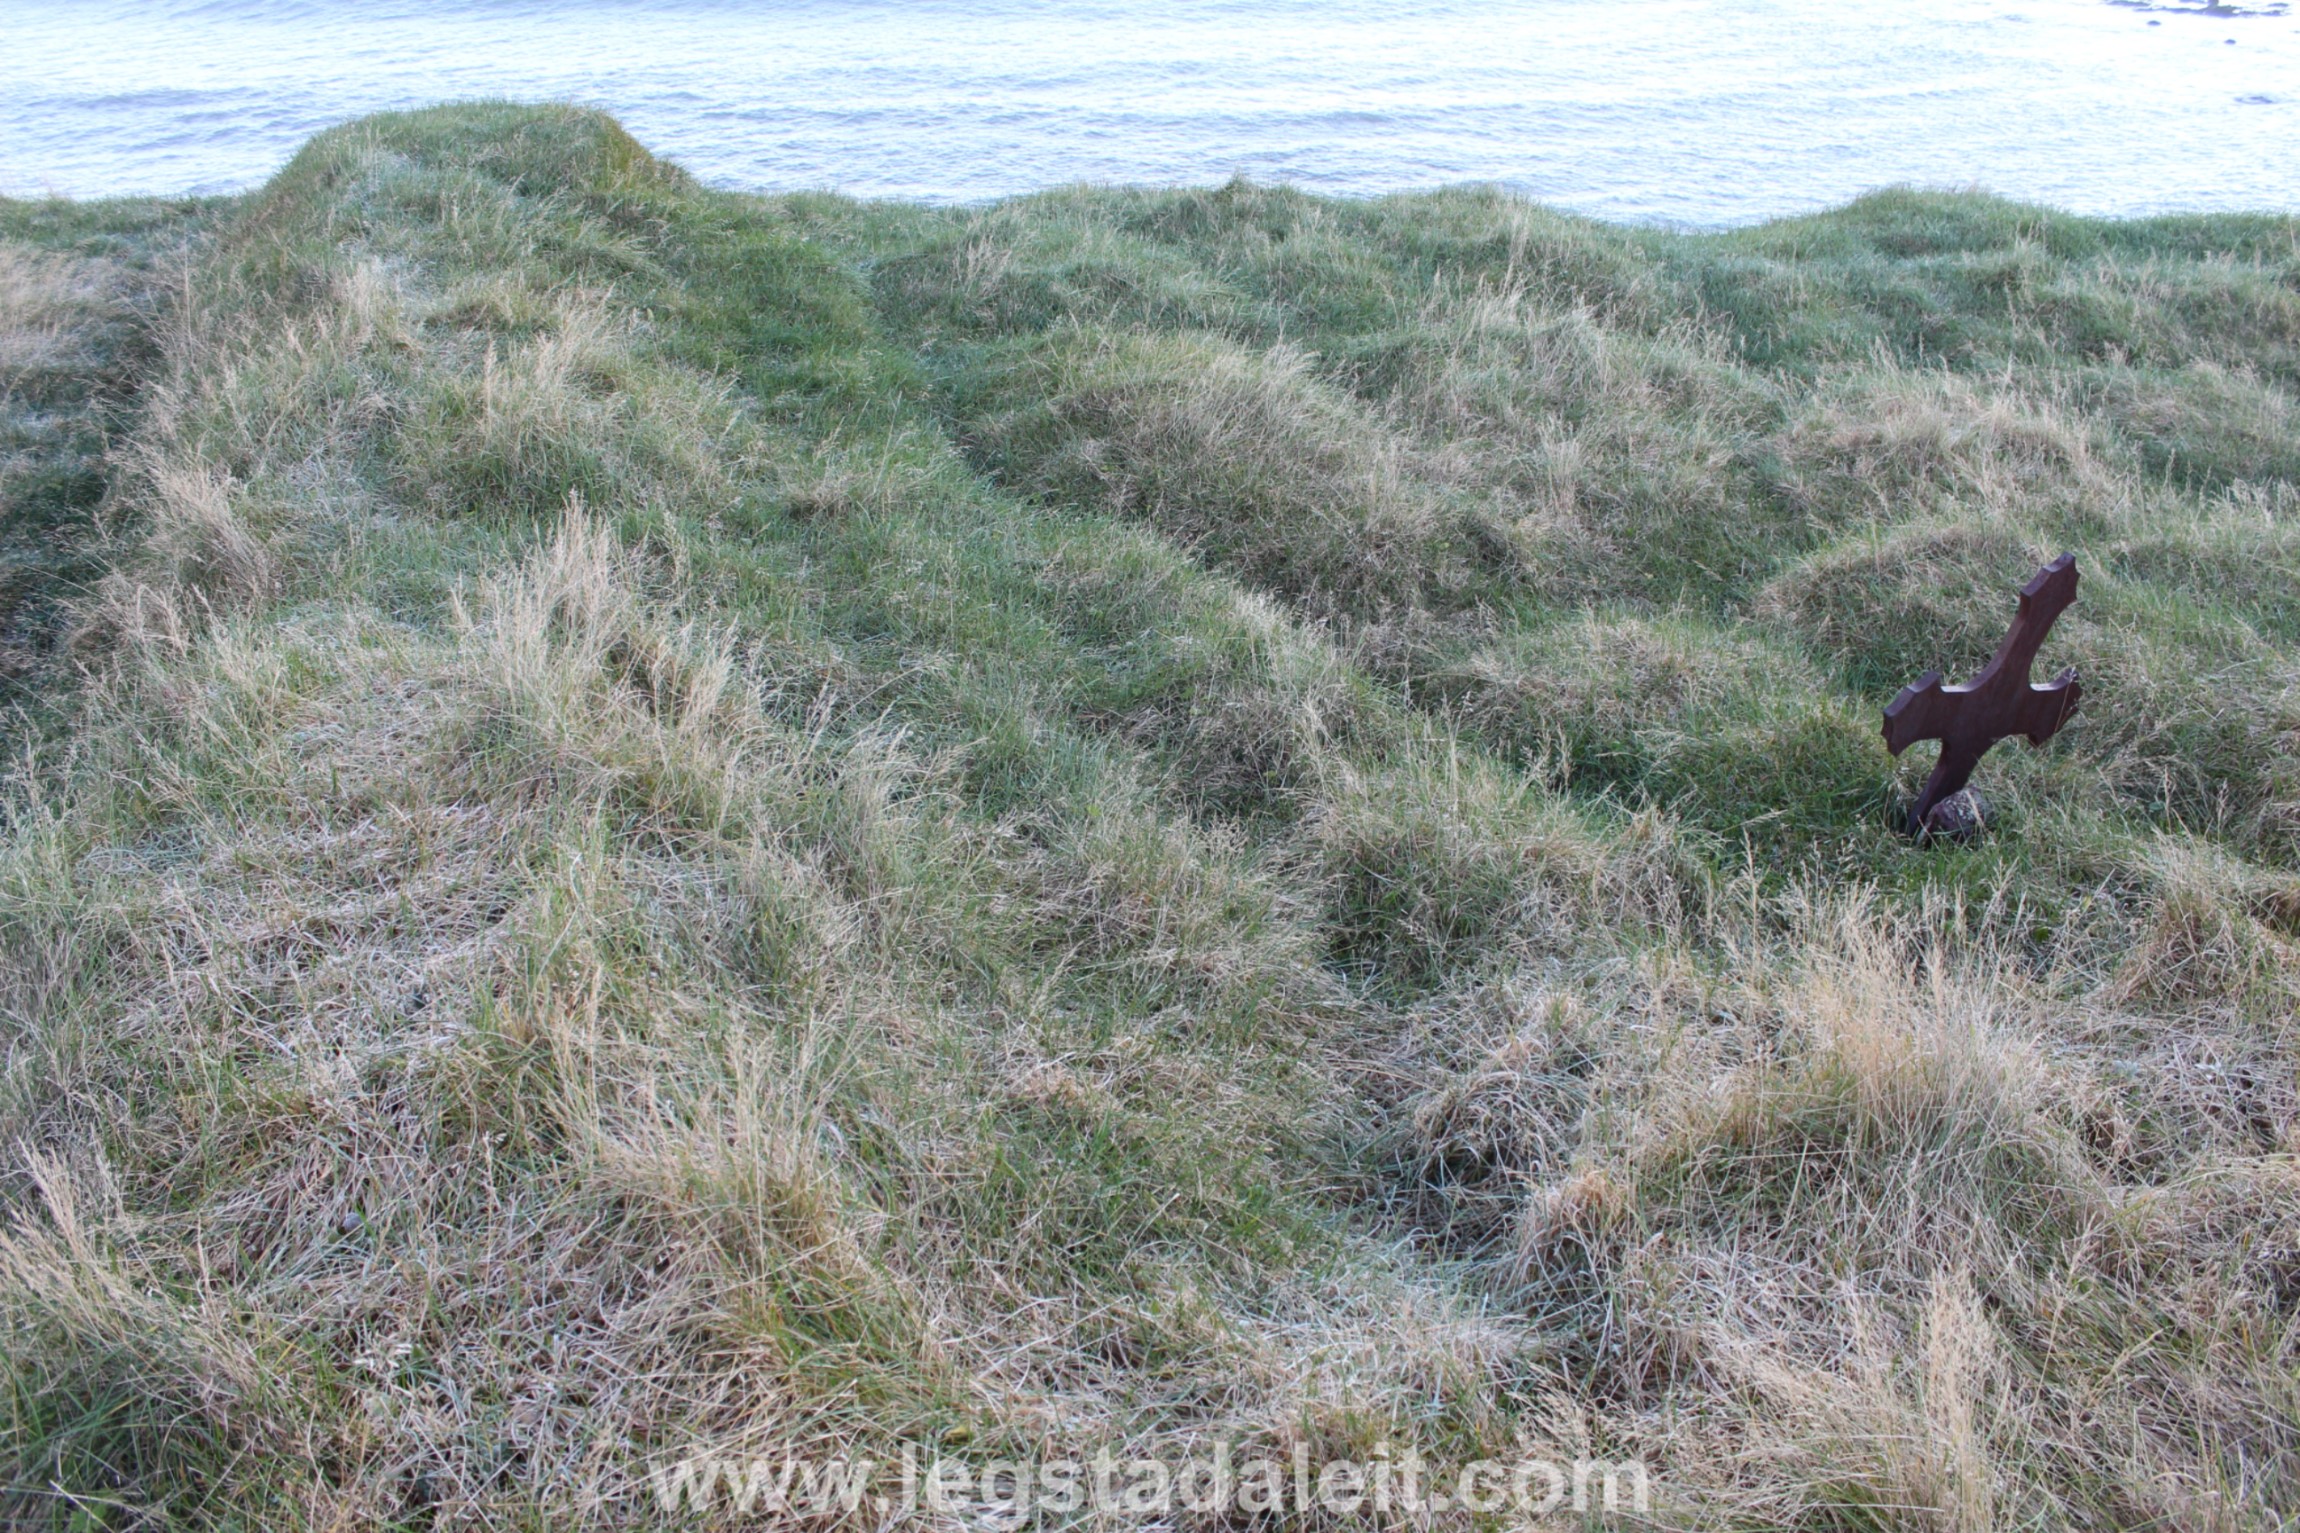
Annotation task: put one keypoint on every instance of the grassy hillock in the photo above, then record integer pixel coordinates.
(648, 821)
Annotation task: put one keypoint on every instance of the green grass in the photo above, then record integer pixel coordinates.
(651, 821)
(81, 286)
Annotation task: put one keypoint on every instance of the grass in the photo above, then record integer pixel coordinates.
(648, 821)
(81, 290)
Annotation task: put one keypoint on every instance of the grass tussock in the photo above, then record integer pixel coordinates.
(651, 822)
(1243, 457)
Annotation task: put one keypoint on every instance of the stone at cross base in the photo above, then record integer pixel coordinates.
(1999, 702)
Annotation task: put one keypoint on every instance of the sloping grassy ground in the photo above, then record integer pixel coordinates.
(80, 291)
(689, 822)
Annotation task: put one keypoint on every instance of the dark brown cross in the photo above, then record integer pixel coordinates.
(1967, 720)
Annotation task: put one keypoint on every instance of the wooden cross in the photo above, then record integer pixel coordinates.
(1967, 720)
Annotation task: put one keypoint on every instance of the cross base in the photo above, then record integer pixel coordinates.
(1961, 816)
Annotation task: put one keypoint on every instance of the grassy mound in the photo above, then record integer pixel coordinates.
(650, 822)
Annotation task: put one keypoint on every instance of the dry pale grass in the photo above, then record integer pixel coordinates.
(48, 306)
(1837, 1197)
(692, 824)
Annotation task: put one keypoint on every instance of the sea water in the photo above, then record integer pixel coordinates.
(1686, 112)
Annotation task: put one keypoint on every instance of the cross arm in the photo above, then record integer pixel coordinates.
(1921, 712)
(2048, 594)
(2046, 708)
